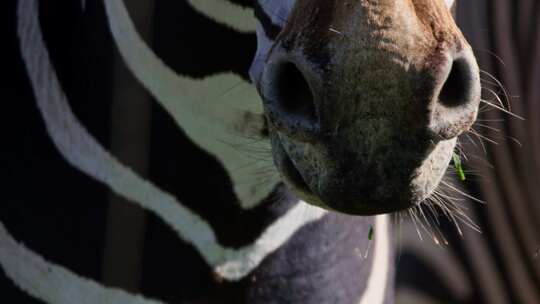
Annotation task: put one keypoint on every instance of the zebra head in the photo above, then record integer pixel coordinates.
(364, 99)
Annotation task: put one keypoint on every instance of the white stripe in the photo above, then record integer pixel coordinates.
(52, 283)
(375, 292)
(449, 3)
(209, 119)
(227, 13)
(83, 152)
(239, 263)
(264, 45)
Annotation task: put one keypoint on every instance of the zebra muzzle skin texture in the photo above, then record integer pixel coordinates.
(365, 101)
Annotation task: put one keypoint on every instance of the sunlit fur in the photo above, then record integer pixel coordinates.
(379, 139)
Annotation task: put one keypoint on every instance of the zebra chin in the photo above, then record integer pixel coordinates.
(361, 194)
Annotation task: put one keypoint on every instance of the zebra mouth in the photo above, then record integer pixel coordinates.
(293, 176)
(339, 184)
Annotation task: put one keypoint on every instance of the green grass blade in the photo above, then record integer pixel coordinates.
(459, 167)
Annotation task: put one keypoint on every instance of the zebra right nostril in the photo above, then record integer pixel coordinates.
(456, 105)
(458, 87)
(290, 98)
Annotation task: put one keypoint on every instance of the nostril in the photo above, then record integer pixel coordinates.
(456, 106)
(291, 92)
(457, 88)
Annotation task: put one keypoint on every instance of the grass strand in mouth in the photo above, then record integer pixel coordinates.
(370, 233)
(459, 167)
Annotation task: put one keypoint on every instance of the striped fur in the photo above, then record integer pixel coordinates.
(240, 262)
(204, 195)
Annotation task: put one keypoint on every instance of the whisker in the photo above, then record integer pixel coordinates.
(414, 222)
(448, 213)
(474, 132)
(490, 120)
(501, 61)
(484, 161)
(502, 109)
(450, 197)
(435, 232)
(500, 85)
(513, 139)
(489, 82)
(449, 185)
(481, 141)
(459, 212)
(470, 140)
(496, 96)
(461, 153)
(488, 127)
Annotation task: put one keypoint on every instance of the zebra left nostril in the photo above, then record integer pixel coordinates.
(289, 100)
(292, 92)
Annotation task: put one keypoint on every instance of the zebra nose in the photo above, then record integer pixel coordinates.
(457, 96)
(289, 100)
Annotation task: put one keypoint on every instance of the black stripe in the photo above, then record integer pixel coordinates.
(271, 29)
(47, 204)
(244, 3)
(196, 46)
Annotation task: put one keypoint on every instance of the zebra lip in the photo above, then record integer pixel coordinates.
(293, 176)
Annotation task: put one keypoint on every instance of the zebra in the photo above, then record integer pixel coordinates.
(255, 263)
